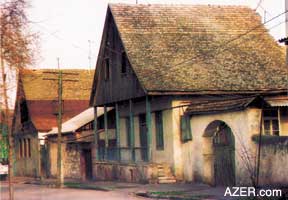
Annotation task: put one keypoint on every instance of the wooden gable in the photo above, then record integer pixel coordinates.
(114, 80)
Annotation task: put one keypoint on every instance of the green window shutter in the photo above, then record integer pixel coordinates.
(186, 133)
(128, 137)
(159, 130)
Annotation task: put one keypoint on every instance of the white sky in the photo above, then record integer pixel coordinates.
(65, 26)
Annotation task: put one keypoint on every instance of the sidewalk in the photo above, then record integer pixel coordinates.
(193, 191)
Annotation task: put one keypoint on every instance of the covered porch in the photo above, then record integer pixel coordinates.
(123, 144)
(107, 132)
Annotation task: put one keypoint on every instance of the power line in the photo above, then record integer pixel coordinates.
(258, 4)
(220, 47)
(224, 43)
(53, 34)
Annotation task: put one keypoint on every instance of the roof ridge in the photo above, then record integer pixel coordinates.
(179, 5)
(179, 58)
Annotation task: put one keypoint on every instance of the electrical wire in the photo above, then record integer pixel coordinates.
(258, 4)
(220, 48)
(53, 34)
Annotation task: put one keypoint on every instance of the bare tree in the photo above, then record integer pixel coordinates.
(15, 53)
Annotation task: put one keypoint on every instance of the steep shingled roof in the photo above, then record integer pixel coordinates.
(157, 38)
(41, 95)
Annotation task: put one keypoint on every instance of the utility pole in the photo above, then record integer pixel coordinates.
(258, 162)
(60, 178)
(59, 79)
(89, 57)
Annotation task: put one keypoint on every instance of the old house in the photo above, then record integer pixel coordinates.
(36, 109)
(77, 144)
(190, 84)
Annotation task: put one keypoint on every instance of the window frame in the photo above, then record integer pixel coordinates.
(159, 132)
(20, 148)
(270, 119)
(185, 128)
(29, 147)
(124, 64)
(128, 132)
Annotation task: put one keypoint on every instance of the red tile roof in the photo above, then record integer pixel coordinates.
(41, 95)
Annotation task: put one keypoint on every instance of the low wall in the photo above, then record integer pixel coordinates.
(273, 165)
(109, 171)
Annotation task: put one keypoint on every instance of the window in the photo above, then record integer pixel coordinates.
(186, 133)
(123, 63)
(87, 127)
(25, 147)
(271, 121)
(20, 148)
(107, 69)
(159, 130)
(128, 131)
(29, 147)
(24, 111)
(222, 135)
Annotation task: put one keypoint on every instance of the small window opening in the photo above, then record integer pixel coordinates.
(107, 69)
(123, 63)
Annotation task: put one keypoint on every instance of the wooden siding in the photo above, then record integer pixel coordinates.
(120, 86)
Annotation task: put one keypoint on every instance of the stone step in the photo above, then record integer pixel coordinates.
(166, 178)
(164, 169)
(167, 181)
(165, 174)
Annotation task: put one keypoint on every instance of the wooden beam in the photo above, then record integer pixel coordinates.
(149, 128)
(95, 133)
(106, 131)
(117, 131)
(132, 137)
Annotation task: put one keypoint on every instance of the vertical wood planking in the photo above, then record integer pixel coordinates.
(118, 131)
(149, 128)
(95, 133)
(132, 137)
(106, 130)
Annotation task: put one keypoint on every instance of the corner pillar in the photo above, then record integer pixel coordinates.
(149, 128)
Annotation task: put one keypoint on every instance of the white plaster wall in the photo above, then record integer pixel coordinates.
(188, 157)
(158, 156)
(163, 156)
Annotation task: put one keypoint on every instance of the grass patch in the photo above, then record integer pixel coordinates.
(173, 195)
(168, 193)
(84, 186)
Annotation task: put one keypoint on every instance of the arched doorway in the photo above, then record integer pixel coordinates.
(219, 154)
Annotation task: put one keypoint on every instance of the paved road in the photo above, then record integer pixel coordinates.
(35, 192)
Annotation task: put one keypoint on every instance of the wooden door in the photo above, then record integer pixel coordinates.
(86, 164)
(224, 159)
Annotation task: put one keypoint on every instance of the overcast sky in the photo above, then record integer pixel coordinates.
(65, 26)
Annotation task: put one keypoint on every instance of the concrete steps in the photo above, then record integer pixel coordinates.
(165, 175)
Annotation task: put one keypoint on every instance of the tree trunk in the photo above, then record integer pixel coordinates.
(6, 121)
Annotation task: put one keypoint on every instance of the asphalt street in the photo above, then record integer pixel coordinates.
(36, 192)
